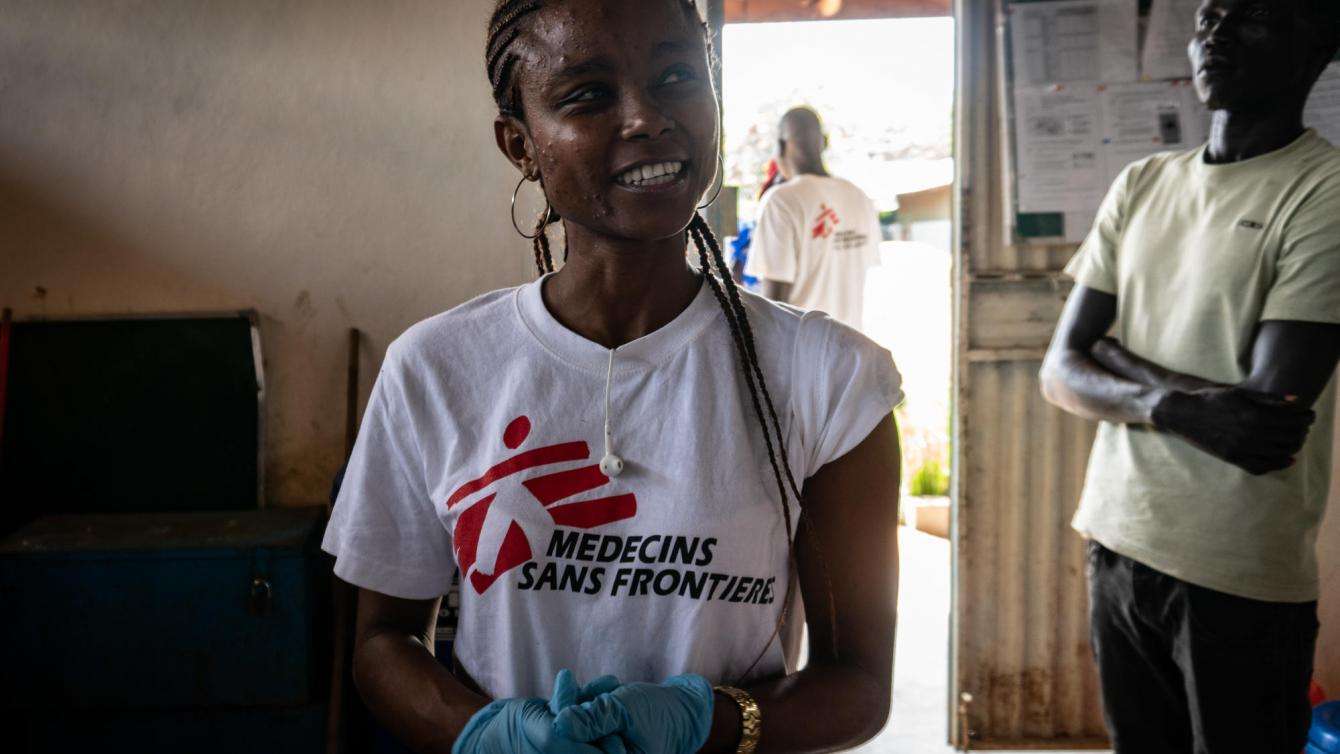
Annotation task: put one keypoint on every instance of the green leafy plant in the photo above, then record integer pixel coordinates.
(929, 480)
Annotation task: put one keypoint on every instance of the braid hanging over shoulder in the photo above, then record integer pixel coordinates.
(718, 277)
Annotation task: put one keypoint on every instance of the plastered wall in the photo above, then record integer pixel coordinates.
(329, 163)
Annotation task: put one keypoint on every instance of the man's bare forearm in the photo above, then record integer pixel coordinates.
(1114, 357)
(1076, 382)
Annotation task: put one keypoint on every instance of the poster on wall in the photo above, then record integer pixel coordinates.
(1144, 118)
(1172, 23)
(1054, 42)
(1079, 117)
(1059, 165)
(1074, 139)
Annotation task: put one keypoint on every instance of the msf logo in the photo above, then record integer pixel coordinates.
(823, 226)
(492, 501)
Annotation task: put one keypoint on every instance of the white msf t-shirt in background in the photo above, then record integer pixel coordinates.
(820, 234)
(480, 448)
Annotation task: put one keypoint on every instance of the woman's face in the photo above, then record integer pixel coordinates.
(620, 114)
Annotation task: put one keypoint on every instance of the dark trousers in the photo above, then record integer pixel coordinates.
(1187, 669)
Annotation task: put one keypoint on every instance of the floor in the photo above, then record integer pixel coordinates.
(919, 720)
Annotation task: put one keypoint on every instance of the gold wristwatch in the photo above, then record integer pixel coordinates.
(751, 718)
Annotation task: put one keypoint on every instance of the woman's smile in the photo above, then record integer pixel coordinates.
(654, 177)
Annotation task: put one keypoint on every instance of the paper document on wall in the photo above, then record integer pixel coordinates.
(1059, 163)
(1323, 107)
(1144, 118)
(1172, 23)
(1056, 41)
(1078, 225)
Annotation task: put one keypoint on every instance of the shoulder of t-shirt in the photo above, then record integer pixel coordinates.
(809, 335)
(849, 186)
(1156, 165)
(452, 332)
(1323, 160)
(782, 196)
(778, 320)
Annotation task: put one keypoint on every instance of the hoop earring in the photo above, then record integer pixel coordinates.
(548, 211)
(721, 173)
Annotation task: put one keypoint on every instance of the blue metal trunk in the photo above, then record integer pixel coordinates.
(287, 730)
(162, 611)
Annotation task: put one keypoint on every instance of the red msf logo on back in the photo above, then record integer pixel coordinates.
(492, 494)
(824, 224)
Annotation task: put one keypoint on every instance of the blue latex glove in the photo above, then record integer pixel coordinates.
(670, 718)
(567, 694)
(526, 726)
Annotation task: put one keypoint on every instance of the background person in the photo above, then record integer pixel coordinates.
(817, 234)
(1220, 268)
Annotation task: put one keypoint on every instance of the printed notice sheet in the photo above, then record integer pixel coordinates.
(1073, 140)
(1059, 162)
(1172, 23)
(1144, 118)
(1055, 41)
(1323, 108)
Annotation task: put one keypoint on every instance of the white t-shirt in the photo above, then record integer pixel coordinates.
(820, 234)
(480, 448)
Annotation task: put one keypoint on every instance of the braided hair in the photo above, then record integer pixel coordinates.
(505, 28)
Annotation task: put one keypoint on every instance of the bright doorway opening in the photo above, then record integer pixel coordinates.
(885, 91)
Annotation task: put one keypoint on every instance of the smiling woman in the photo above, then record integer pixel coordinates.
(476, 449)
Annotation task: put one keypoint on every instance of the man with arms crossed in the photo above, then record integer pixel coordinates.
(817, 234)
(1220, 268)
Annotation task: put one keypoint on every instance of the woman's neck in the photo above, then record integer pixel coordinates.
(614, 291)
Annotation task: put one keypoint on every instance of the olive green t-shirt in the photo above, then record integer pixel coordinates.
(1197, 255)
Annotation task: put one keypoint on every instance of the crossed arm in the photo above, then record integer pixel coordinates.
(839, 700)
(1258, 425)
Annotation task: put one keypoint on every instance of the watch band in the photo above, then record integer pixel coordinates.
(751, 718)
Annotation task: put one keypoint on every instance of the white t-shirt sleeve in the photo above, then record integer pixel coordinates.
(774, 251)
(1095, 264)
(845, 385)
(384, 532)
(1307, 273)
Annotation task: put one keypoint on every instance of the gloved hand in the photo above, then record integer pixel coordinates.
(526, 726)
(670, 718)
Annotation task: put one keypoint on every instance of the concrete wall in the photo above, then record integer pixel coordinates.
(327, 162)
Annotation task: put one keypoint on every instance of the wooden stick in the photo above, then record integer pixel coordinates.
(351, 394)
(343, 595)
(6, 327)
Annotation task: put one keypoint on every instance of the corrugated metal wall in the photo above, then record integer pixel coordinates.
(1020, 640)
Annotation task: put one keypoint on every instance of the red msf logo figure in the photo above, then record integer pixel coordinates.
(823, 226)
(549, 491)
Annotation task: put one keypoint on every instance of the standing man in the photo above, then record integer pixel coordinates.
(817, 234)
(1220, 268)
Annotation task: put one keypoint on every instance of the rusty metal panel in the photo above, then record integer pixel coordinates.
(1022, 606)
(1020, 635)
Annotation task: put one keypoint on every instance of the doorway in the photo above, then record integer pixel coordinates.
(885, 91)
